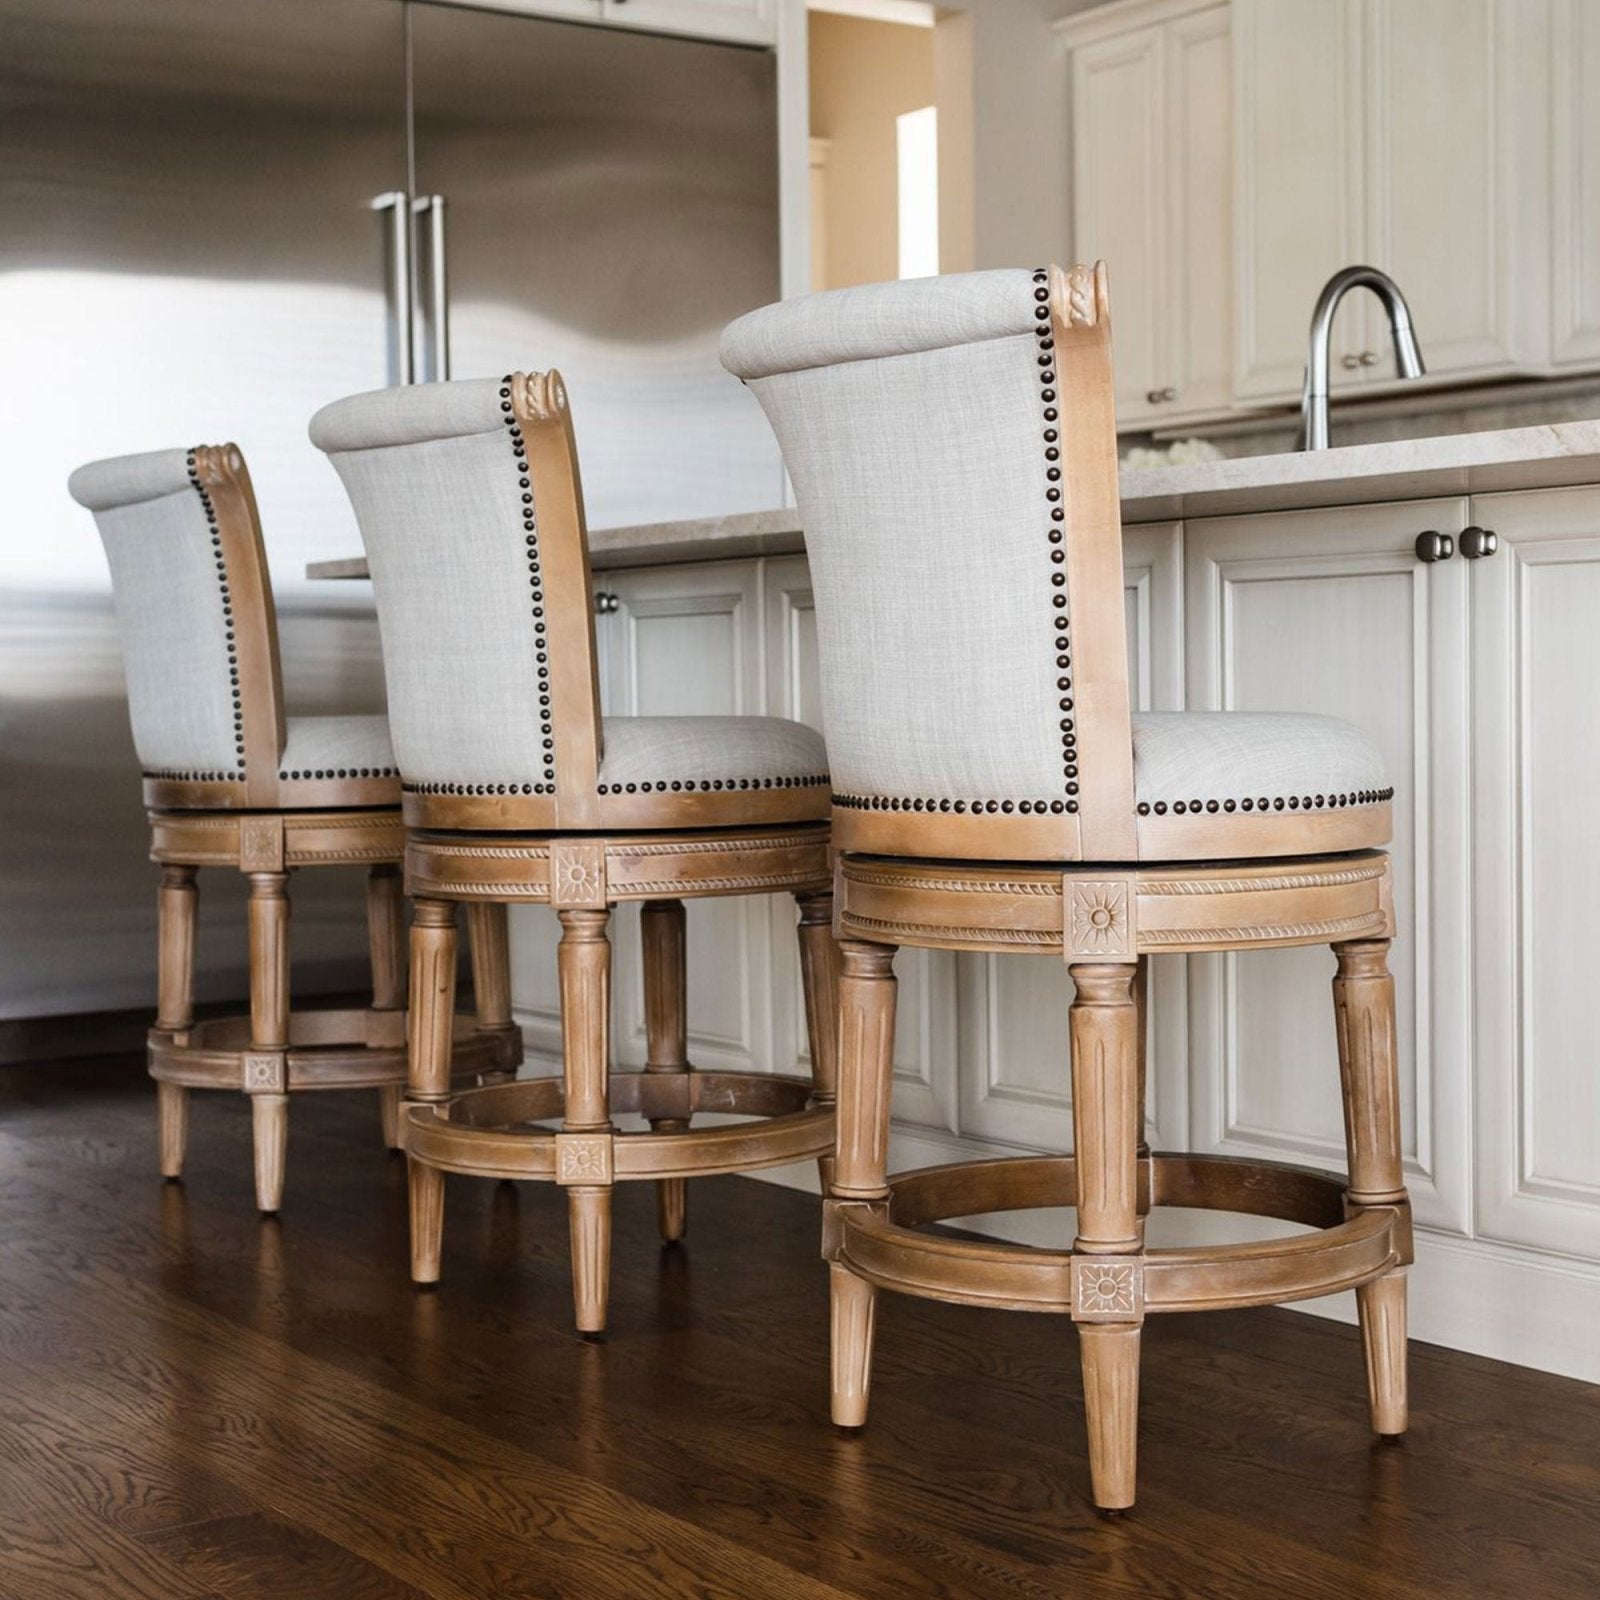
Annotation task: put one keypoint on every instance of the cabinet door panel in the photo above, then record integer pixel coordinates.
(1329, 611)
(925, 1034)
(1298, 184)
(1537, 866)
(743, 21)
(1016, 1073)
(1119, 180)
(1576, 149)
(1439, 216)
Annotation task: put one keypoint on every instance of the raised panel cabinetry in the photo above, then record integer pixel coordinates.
(1151, 113)
(1575, 185)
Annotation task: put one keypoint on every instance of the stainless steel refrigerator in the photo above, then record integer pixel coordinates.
(216, 215)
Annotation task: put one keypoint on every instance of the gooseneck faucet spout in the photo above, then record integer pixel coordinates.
(1408, 358)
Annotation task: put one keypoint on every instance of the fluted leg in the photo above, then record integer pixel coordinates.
(583, 1147)
(666, 996)
(176, 906)
(819, 977)
(1141, 1002)
(266, 1065)
(1107, 1270)
(1363, 1002)
(386, 943)
(490, 946)
(429, 1026)
(861, 1155)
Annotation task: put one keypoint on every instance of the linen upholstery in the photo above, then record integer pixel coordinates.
(169, 600)
(336, 747)
(439, 494)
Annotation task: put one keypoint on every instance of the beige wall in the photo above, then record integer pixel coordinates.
(863, 76)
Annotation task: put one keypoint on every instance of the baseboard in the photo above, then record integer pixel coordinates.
(1527, 1307)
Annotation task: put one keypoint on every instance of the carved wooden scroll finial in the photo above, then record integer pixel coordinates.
(1081, 295)
(542, 394)
(217, 464)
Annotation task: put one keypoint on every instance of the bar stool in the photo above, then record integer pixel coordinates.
(231, 781)
(517, 791)
(952, 445)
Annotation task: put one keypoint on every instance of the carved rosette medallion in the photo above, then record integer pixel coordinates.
(584, 1158)
(261, 844)
(1107, 1289)
(577, 874)
(265, 1072)
(1100, 920)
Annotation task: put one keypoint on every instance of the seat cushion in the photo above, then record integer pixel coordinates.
(1186, 761)
(337, 747)
(649, 754)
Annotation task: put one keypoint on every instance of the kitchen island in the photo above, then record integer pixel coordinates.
(1444, 594)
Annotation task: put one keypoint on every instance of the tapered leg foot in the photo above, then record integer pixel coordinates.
(426, 1185)
(589, 1223)
(172, 1126)
(1382, 1308)
(854, 1303)
(389, 1115)
(269, 1121)
(1111, 1405)
(672, 1208)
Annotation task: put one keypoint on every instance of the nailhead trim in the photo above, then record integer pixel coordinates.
(1293, 802)
(345, 772)
(1044, 332)
(884, 802)
(687, 786)
(227, 612)
(541, 654)
(477, 788)
(171, 775)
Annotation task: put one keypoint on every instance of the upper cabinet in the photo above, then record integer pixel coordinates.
(1229, 158)
(1151, 113)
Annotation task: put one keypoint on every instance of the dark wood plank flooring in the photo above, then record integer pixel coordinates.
(196, 1404)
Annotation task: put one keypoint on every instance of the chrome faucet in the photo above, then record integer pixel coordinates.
(1408, 359)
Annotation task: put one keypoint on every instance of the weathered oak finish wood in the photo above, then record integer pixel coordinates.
(662, 928)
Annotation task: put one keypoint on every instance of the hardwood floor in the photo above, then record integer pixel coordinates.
(196, 1404)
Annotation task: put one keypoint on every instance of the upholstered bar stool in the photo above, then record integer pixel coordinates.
(517, 791)
(953, 450)
(231, 781)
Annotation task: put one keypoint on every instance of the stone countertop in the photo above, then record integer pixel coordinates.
(1549, 456)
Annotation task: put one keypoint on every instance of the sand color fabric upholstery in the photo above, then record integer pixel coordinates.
(337, 747)
(442, 495)
(920, 425)
(171, 608)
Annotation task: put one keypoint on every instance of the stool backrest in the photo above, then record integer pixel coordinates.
(952, 444)
(471, 508)
(194, 608)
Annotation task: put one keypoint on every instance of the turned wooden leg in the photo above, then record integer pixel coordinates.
(386, 943)
(819, 978)
(583, 1147)
(861, 1154)
(1107, 1269)
(176, 906)
(489, 942)
(1363, 1002)
(666, 997)
(429, 1025)
(265, 1063)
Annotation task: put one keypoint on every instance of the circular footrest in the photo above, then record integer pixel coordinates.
(883, 1242)
(336, 1049)
(494, 1132)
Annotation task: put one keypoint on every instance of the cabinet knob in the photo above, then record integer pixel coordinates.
(1479, 542)
(1169, 394)
(605, 603)
(1152, 397)
(1432, 546)
(1369, 358)
(1349, 363)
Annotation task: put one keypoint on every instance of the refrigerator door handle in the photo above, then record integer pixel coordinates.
(430, 208)
(398, 291)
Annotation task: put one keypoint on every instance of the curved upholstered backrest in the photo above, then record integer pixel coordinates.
(194, 607)
(952, 445)
(470, 506)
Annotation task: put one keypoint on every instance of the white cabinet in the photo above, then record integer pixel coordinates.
(1151, 110)
(741, 21)
(1575, 210)
(1536, 869)
(1406, 134)
(1331, 611)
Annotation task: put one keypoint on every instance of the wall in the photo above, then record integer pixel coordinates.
(863, 75)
